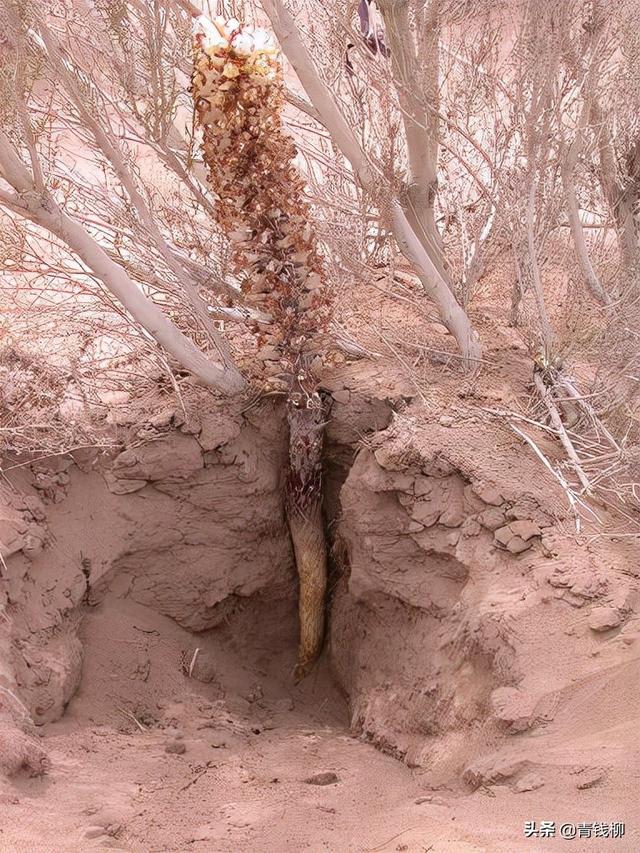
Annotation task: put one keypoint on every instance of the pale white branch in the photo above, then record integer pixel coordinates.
(41, 209)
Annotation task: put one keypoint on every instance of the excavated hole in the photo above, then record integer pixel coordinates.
(172, 593)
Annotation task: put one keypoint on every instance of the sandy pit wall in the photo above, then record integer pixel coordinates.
(451, 582)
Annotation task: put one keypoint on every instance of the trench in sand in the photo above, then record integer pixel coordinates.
(180, 544)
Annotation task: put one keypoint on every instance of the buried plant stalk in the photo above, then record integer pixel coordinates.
(238, 96)
(303, 500)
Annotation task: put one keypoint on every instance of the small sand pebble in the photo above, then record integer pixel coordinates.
(328, 778)
(530, 782)
(589, 778)
(176, 747)
(517, 545)
(94, 832)
(525, 529)
(604, 618)
(174, 734)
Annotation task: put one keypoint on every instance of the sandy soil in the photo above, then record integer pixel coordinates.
(471, 680)
(229, 765)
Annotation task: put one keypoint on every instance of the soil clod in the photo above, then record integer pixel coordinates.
(327, 778)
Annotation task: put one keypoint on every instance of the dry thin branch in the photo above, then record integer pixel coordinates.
(556, 421)
(571, 497)
(453, 316)
(41, 209)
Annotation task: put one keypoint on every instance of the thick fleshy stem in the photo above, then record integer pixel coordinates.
(238, 95)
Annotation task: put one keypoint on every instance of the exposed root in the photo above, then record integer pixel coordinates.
(306, 416)
(309, 545)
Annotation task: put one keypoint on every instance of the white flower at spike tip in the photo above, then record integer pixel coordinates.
(263, 40)
(246, 40)
(249, 40)
(243, 42)
(212, 37)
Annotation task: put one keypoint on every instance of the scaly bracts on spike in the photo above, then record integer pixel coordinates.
(238, 95)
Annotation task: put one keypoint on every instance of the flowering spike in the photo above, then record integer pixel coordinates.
(238, 94)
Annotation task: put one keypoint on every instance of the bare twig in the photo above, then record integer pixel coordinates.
(128, 714)
(556, 421)
(193, 662)
(571, 497)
